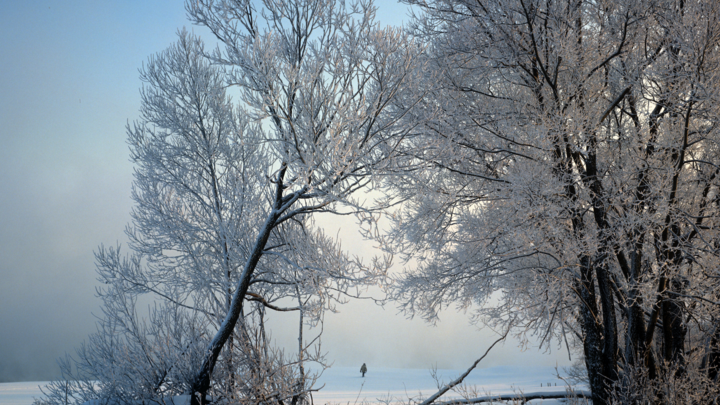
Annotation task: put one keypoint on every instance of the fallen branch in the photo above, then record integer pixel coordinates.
(520, 397)
(460, 379)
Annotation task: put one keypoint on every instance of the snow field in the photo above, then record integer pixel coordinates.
(20, 393)
(345, 386)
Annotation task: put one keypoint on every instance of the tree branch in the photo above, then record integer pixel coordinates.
(460, 379)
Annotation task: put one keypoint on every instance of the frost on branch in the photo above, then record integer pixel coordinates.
(225, 190)
(568, 181)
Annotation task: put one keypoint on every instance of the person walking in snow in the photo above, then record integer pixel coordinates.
(363, 369)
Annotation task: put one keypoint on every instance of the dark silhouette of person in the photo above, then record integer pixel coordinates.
(363, 369)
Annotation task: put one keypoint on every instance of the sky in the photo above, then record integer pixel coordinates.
(69, 84)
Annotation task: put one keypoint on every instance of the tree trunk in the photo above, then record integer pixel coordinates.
(592, 339)
(674, 329)
(300, 386)
(635, 341)
(609, 322)
(201, 383)
(713, 356)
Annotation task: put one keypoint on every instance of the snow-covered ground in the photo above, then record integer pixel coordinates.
(19, 393)
(344, 385)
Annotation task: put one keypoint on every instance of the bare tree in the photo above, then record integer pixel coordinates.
(569, 183)
(321, 79)
(225, 189)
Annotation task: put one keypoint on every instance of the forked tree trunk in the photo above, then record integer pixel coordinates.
(201, 382)
(592, 338)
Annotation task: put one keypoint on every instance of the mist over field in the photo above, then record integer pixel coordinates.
(68, 87)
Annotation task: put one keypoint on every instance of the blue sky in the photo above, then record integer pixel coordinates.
(68, 86)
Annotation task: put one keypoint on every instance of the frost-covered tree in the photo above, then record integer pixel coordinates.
(323, 80)
(225, 189)
(568, 184)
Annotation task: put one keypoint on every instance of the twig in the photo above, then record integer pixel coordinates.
(515, 397)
